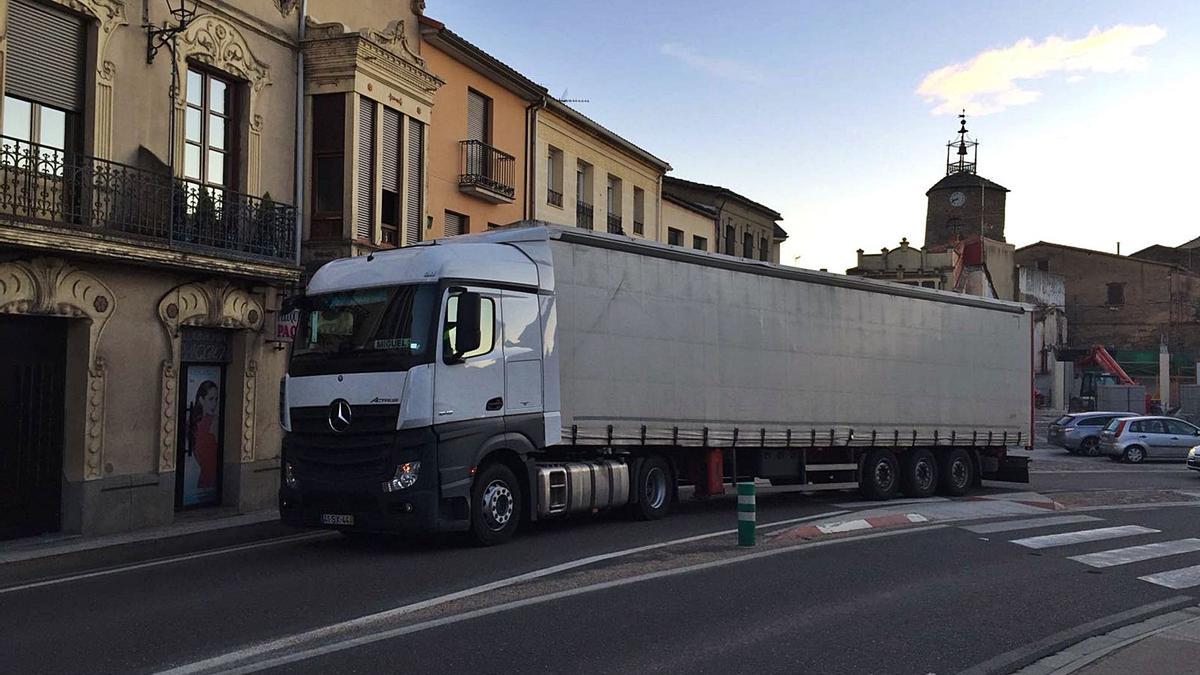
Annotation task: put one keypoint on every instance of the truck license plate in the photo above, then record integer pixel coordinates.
(336, 519)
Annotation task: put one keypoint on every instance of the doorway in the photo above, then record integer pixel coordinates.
(201, 444)
(32, 383)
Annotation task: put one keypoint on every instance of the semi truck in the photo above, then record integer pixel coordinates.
(532, 372)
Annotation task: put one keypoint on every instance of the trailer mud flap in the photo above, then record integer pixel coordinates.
(1010, 469)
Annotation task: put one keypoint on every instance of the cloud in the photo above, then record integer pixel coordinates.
(991, 80)
(728, 69)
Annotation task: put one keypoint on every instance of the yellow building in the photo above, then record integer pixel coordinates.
(147, 236)
(739, 226)
(478, 150)
(588, 176)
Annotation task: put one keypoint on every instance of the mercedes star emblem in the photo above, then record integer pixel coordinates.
(340, 415)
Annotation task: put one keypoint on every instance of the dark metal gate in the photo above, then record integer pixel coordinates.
(32, 374)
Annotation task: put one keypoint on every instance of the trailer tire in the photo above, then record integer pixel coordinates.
(495, 505)
(880, 475)
(920, 473)
(653, 487)
(957, 472)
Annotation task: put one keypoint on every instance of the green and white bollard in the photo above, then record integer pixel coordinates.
(747, 514)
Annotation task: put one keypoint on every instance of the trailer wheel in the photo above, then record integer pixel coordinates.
(654, 489)
(920, 473)
(495, 505)
(880, 475)
(957, 472)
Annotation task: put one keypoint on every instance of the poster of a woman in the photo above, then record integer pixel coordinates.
(202, 451)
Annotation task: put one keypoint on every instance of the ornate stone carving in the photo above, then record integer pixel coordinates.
(213, 41)
(286, 7)
(111, 15)
(52, 287)
(394, 39)
(213, 304)
(249, 394)
(418, 7)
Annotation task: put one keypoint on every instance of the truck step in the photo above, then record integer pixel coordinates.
(830, 467)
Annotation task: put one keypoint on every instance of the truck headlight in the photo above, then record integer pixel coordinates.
(289, 476)
(406, 477)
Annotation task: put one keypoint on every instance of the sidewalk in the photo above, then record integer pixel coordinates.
(1168, 644)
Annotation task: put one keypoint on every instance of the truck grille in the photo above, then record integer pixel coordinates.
(366, 419)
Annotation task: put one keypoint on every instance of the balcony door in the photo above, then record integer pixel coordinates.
(479, 134)
(210, 130)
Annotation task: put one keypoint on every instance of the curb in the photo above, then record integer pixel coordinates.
(818, 530)
(1087, 652)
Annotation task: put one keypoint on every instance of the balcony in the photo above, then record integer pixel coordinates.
(553, 198)
(44, 186)
(583, 215)
(486, 172)
(614, 224)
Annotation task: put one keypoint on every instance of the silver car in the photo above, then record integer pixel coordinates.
(1080, 432)
(1134, 439)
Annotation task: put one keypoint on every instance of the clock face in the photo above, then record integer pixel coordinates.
(957, 199)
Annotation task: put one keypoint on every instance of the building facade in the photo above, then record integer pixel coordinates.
(741, 226)
(587, 176)
(479, 160)
(907, 265)
(963, 204)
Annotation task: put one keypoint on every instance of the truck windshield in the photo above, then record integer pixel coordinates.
(362, 330)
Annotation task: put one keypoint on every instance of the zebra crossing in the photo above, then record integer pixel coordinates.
(1095, 530)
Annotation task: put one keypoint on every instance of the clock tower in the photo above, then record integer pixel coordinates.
(963, 203)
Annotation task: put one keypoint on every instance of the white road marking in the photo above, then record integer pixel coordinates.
(893, 502)
(1132, 554)
(1185, 577)
(219, 662)
(1081, 536)
(224, 665)
(845, 526)
(1027, 524)
(167, 561)
(916, 518)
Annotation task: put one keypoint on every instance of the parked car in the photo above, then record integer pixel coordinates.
(1134, 439)
(1079, 433)
(1193, 460)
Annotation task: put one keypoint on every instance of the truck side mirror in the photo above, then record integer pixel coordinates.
(468, 332)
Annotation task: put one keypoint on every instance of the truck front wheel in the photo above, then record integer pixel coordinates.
(653, 487)
(495, 505)
(958, 472)
(880, 475)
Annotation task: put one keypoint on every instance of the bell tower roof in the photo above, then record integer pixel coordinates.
(962, 152)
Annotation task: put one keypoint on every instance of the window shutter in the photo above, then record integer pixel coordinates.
(412, 167)
(477, 114)
(390, 147)
(364, 219)
(45, 55)
(454, 224)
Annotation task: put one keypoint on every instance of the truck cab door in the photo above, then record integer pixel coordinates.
(471, 386)
(522, 354)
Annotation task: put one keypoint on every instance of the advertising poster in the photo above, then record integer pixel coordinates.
(202, 435)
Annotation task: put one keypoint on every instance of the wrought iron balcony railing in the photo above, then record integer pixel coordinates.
(583, 215)
(553, 198)
(614, 224)
(44, 185)
(486, 168)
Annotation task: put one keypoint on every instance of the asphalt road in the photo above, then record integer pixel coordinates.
(922, 600)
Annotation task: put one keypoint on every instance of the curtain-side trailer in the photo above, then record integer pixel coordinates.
(534, 371)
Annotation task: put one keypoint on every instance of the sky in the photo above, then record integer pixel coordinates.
(836, 114)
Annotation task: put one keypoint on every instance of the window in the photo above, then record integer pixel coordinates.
(1116, 294)
(554, 177)
(613, 200)
(391, 168)
(364, 218)
(210, 130)
(456, 224)
(674, 237)
(639, 212)
(699, 243)
(583, 183)
(479, 117)
(730, 240)
(1180, 428)
(414, 175)
(41, 124)
(1043, 265)
(44, 75)
(929, 284)
(764, 249)
(747, 245)
(487, 327)
(329, 124)
(1093, 422)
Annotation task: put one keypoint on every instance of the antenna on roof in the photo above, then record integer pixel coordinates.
(563, 98)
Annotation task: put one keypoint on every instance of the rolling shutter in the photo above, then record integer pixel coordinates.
(45, 55)
(412, 168)
(477, 117)
(455, 224)
(364, 219)
(390, 149)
